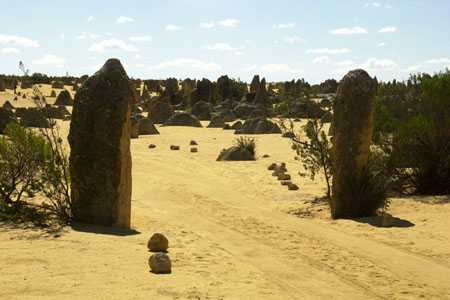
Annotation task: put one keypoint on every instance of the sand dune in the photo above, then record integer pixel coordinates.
(235, 233)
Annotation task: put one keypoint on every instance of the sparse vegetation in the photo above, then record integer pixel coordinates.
(34, 163)
(247, 144)
(412, 122)
(314, 149)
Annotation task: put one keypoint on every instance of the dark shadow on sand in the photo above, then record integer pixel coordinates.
(98, 229)
(378, 221)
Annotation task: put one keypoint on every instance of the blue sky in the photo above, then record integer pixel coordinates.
(279, 40)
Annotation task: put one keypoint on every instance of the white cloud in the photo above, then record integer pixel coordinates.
(328, 51)
(345, 63)
(84, 36)
(221, 47)
(388, 29)
(274, 68)
(50, 60)
(112, 44)
(207, 25)
(321, 60)
(139, 65)
(378, 64)
(382, 44)
(123, 20)
(349, 31)
(229, 23)
(172, 27)
(18, 41)
(142, 38)
(137, 56)
(90, 19)
(187, 63)
(439, 61)
(373, 4)
(9, 51)
(223, 23)
(293, 39)
(284, 26)
(413, 69)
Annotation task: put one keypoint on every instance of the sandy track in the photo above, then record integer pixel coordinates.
(230, 238)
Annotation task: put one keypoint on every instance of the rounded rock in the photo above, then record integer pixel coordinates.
(158, 243)
(160, 263)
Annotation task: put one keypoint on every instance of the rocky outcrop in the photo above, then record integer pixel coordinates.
(258, 126)
(183, 119)
(146, 127)
(159, 111)
(235, 154)
(202, 110)
(100, 159)
(216, 122)
(64, 98)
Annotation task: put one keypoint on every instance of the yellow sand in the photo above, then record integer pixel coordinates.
(235, 233)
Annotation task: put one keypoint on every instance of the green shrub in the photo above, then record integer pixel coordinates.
(33, 163)
(412, 126)
(23, 153)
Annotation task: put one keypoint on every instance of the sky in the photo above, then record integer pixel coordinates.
(280, 40)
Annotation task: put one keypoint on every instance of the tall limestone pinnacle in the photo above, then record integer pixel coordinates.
(353, 124)
(100, 158)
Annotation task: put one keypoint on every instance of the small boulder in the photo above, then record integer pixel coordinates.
(158, 243)
(151, 146)
(193, 143)
(276, 172)
(282, 167)
(160, 263)
(174, 147)
(194, 149)
(272, 167)
(292, 186)
(285, 182)
(284, 176)
(266, 156)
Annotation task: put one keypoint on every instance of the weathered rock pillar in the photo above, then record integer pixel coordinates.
(352, 122)
(100, 159)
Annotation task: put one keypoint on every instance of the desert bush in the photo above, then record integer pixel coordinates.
(22, 155)
(412, 126)
(29, 165)
(32, 163)
(370, 189)
(314, 150)
(247, 144)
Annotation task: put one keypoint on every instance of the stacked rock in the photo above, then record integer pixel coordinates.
(159, 262)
